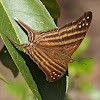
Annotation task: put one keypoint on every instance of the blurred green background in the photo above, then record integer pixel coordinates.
(84, 76)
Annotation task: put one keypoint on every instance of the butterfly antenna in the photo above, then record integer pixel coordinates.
(79, 60)
(84, 58)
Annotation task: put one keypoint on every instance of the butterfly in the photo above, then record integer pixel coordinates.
(51, 50)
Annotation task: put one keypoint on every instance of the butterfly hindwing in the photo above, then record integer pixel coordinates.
(53, 68)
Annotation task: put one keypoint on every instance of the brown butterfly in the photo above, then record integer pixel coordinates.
(51, 50)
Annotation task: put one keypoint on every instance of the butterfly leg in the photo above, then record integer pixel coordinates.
(21, 45)
(30, 31)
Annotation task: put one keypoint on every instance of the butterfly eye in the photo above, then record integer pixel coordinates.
(36, 42)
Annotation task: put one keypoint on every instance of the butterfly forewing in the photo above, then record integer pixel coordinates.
(73, 33)
(49, 39)
(52, 49)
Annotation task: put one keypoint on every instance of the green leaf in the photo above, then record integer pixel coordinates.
(7, 28)
(3, 79)
(53, 8)
(5, 59)
(34, 14)
(86, 86)
(19, 90)
(81, 66)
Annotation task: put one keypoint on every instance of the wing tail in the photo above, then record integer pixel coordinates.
(30, 31)
(21, 45)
